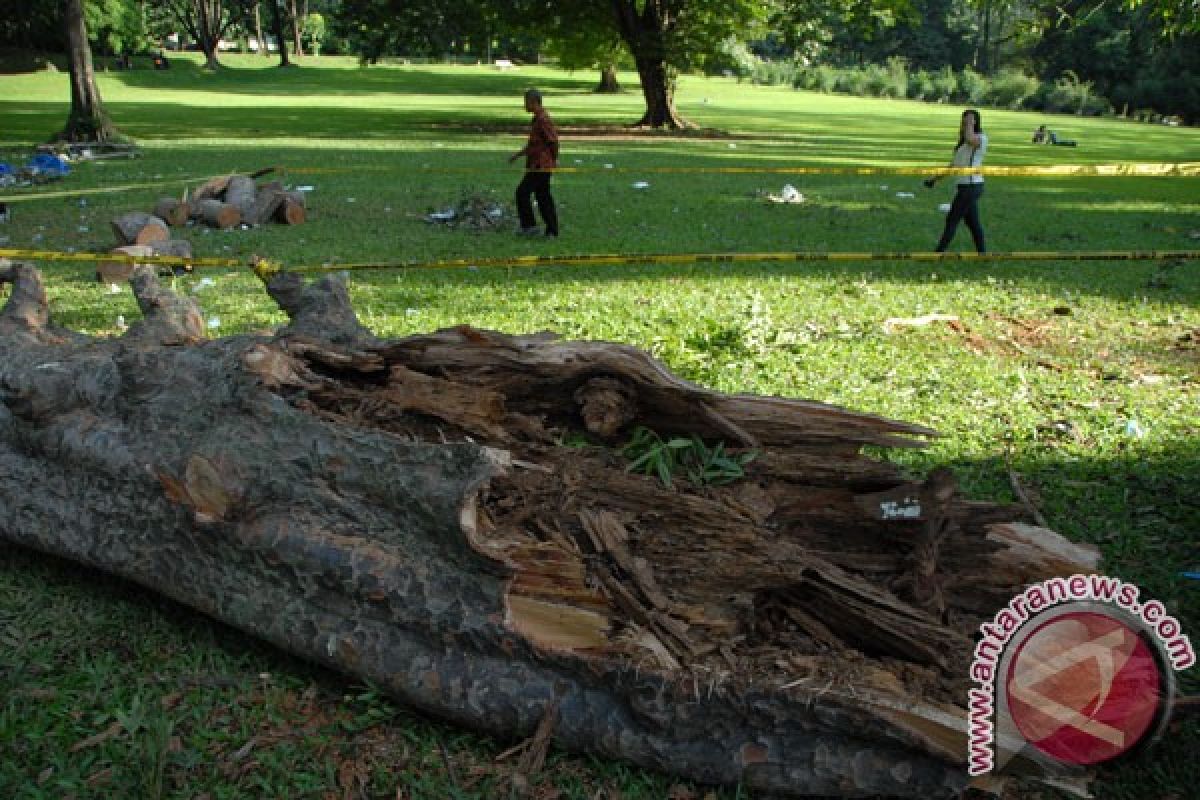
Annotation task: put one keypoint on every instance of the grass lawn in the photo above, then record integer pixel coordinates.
(1084, 376)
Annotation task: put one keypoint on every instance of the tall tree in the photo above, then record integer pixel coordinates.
(206, 21)
(277, 29)
(667, 36)
(87, 120)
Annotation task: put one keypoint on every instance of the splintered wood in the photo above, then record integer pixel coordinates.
(820, 553)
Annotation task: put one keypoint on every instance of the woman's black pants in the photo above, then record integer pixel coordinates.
(965, 208)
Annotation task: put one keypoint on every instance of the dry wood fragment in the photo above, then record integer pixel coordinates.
(173, 211)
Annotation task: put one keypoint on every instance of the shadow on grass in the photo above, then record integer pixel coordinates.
(444, 81)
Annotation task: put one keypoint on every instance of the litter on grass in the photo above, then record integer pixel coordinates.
(476, 212)
(788, 194)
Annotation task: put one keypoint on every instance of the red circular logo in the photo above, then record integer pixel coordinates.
(1083, 688)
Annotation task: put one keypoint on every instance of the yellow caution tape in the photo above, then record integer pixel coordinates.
(265, 268)
(1183, 170)
(720, 258)
(55, 255)
(1148, 170)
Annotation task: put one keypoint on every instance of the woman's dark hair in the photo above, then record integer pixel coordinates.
(978, 126)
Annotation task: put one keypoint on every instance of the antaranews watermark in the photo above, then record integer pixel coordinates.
(1074, 670)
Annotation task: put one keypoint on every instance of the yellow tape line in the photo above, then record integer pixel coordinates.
(265, 269)
(35, 194)
(1180, 170)
(55, 255)
(724, 258)
(1184, 170)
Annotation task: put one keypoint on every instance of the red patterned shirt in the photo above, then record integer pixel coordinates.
(541, 152)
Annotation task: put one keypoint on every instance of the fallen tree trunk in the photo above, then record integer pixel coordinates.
(404, 511)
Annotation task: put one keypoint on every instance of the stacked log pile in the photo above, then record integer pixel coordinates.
(224, 202)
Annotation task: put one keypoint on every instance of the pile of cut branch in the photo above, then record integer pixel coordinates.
(224, 202)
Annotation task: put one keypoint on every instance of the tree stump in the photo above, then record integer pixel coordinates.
(405, 511)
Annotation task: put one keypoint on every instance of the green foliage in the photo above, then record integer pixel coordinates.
(972, 87)
(1072, 95)
(649, 454)
(1010, 88)
(315, 30)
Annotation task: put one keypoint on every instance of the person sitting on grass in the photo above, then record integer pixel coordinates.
(541, 157)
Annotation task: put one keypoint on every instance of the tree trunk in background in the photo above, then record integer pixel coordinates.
(644, 32)
(277, 29)
(258, 31)
(208, 31)
(297, 24)
(87, 120)
(608, 80)
(658, 88)
(405, 511)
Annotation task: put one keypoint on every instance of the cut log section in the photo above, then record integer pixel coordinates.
(240, 193)
(404, 511)
(266, 205)
(172, 211)
(292, 211)
(138, 227)
(217, 214)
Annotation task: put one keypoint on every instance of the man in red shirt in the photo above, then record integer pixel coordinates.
(541, 157)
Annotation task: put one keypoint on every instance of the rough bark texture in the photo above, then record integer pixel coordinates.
(405, 511)
(608, 80)
(87, 121)
(643, 28)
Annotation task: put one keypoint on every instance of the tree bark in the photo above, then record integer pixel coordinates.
(644, 27)
(297, 22)
(608, 80)
(87, 120)
(404, 511)
(277, 29)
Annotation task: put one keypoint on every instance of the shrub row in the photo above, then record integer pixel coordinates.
(1006, 89)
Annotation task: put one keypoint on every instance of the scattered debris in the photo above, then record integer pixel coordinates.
(894, 324)
(789, 194)
(944, 208)
(905, 195)
(91, 151)
(641, 184)
(476, 211)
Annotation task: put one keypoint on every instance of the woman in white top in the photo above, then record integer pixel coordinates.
(969, 152)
